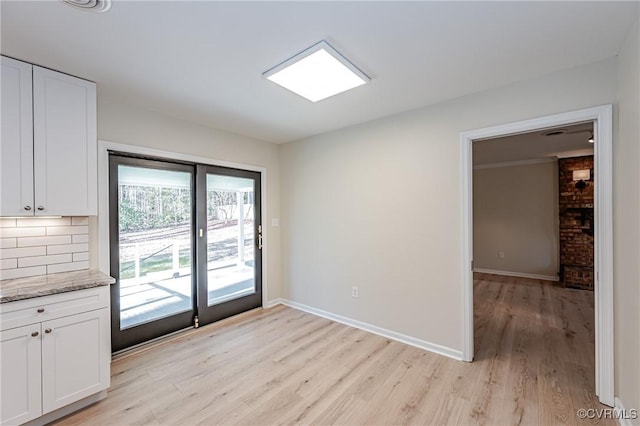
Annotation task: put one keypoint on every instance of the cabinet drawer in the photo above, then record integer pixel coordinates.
(44, 308)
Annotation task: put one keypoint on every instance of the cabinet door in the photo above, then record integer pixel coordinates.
(16, 140)
(20, 375)
(75, 358)
(65, 144)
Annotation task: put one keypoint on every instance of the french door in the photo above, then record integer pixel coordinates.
(185, 246)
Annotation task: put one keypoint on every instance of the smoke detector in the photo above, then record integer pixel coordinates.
(97, 6)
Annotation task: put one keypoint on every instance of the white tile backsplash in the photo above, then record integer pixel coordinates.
(16, 253)
(8, 263)
(43, 221)
(80, 256)
(7, 223)
(75, 239)
(44, 260)
(67, 267)
(8, 274)
(39, 246)
(79, 220)
(38, 231)
(67, 230)
(68, 248)
(44, 241)
(8, 243)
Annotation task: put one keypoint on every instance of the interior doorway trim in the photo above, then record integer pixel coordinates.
(602, 118)
(103, 198)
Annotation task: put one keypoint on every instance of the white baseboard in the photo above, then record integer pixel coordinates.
(518, 274)
(273, 302)
(621, 410)
(403, 338)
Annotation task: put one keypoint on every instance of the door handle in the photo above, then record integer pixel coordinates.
(259, 237)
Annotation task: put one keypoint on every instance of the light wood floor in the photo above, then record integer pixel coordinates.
(534, 365)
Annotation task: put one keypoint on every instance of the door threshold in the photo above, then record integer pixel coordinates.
(149, 344)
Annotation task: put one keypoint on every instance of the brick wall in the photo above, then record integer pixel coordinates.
(576, 224)
(40, 246)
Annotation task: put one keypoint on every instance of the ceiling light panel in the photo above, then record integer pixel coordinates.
(317, 73)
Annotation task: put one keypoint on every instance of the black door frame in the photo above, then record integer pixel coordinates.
(232, 307)
(121, 339)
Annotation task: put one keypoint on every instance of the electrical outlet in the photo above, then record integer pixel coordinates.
(501, 255)
(354, 291)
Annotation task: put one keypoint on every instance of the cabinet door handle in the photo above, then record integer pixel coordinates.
(48, 331)
(34, 334)
(40, 310)
(27, 208)
(40, 208)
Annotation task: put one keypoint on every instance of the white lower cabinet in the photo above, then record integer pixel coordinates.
(21, 379)
(60, 360)
(72, 358)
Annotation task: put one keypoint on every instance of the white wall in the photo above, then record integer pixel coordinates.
(626, 198)
(397, 232)
(122, 123)
(515, 211)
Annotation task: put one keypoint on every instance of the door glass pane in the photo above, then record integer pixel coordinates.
(154, 212)
(230, 238)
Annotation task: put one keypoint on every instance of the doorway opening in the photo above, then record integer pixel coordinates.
(533, 250)
(601, 117)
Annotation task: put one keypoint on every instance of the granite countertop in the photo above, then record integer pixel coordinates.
(43, 285)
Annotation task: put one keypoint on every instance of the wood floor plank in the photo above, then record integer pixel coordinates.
(405, 388)
(534, 364)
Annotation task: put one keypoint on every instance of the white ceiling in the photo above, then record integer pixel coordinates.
(535, 145)
(202, 61)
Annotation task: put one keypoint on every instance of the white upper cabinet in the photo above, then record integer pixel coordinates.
(16, 145)
(64, 142)
(61, 179)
